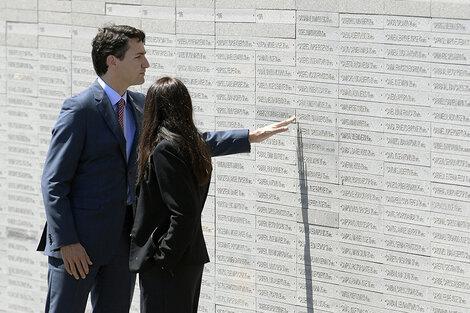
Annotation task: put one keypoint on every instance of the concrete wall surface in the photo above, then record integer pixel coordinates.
(362, 206)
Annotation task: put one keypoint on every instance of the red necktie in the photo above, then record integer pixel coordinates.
(120, 105)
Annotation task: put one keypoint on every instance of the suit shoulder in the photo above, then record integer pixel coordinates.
(168, 157)
(79, 101)
(170, 150)
(166, 145)
(138, 97)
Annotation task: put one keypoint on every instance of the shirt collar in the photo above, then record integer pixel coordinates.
(113, 96)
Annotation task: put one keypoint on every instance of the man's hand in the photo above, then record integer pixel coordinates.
(76, 260)
(264, 133)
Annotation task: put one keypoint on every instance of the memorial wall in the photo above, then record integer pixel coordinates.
(362, 206)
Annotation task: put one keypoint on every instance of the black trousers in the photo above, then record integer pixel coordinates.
(165, 292)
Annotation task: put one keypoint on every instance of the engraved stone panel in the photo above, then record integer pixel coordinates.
(361, 206)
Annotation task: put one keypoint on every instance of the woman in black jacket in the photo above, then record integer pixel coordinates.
(174, 170)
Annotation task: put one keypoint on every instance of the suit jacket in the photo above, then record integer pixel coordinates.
(167, 228)
(85, 177)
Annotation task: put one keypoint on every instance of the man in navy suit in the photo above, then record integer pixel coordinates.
(89, 179)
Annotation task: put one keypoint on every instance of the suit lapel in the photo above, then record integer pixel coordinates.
(109, 115)
(137, 115)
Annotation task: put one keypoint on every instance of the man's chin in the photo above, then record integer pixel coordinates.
(139, 82)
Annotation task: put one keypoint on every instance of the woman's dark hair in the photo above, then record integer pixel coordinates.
(112, 40)
(168, 114)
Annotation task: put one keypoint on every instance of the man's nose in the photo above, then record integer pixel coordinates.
(146, 63)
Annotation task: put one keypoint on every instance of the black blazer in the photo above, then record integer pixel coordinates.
(167, 224)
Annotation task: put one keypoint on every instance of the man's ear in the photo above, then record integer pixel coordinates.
(111, 61)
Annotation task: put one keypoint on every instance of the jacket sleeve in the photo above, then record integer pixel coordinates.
(179, 193)
(68, 137)
(228, 142)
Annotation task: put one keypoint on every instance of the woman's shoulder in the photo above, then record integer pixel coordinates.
(165, 145)
(168, 148)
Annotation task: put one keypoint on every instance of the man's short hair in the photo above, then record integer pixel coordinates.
(112, 40)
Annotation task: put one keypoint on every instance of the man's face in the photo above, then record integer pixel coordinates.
(131, 69)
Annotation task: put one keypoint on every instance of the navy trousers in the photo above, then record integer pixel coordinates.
(111, 285)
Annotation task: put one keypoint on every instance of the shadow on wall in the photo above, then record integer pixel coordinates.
(302, 169)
